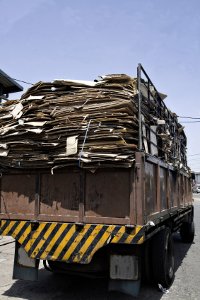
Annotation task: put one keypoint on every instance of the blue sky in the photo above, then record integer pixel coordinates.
(48, 39)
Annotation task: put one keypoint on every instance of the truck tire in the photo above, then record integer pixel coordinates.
(187, 232)
(162, 258)
(146, 262)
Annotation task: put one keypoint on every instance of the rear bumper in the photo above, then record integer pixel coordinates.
(68, 242)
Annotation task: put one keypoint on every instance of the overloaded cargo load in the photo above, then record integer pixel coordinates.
(90, 124)
(121, 190)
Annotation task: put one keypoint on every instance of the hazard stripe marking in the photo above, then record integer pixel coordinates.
(41, 240)
(123, 238)
(62, 247)
(50, 242)
(141, 240)
(67, 242)
(118, 235)
(9, 227)
(59, 241)
(79, 242)
(24, 233)
(64, 254)
(10, 232)
(18, 231)
(91, 242)
(137, 237)
(4, 224)
(133, 238)
(111, 231)
(36, 237)
(25, 236)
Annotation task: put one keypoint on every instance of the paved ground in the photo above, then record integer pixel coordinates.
(186, 285)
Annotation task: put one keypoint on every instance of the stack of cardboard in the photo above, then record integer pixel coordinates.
(67, 122)
(87, 124)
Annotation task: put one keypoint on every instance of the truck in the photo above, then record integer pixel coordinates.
(117, 220)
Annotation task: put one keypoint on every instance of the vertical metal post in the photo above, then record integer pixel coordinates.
(133, 211)
(37, 196)
(158, 197)
(82, 195)
(139, 106)
(168, 198)
(139, 188)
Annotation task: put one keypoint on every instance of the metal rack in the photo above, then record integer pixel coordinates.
(159, 130)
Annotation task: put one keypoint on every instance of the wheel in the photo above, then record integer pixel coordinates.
(187, 232)
(162, 258)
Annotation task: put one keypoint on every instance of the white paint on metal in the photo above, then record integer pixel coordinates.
(24, 259)
(124, 267)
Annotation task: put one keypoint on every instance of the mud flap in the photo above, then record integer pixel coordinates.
(25, 268)
(130, 287)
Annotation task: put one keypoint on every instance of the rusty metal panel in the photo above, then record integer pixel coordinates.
(133, 213)
(184, 191)
(187, 196)
(189, 192)
(59, 195)
(18, 195)
(163, 188)
(173, 180)
(172, 189)
(107, 196)
(181, 190)
(107, 193)
(150, 188)
(139, 187)
(158, 208)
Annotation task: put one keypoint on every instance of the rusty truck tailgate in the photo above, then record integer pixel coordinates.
(70, 195)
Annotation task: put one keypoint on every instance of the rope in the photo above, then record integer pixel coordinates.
(86, 133)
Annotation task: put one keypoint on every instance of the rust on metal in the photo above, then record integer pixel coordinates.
(108, 196)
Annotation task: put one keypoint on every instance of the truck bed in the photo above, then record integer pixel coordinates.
(148, 191)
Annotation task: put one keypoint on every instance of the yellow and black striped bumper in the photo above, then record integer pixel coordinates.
(68, 242)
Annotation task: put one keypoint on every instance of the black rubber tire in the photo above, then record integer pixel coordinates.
(187, 232)
(162, 258)
(146, 262)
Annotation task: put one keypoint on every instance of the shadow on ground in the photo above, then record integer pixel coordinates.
(60, 287)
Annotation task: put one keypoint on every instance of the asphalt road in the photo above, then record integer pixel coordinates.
(185, 287)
